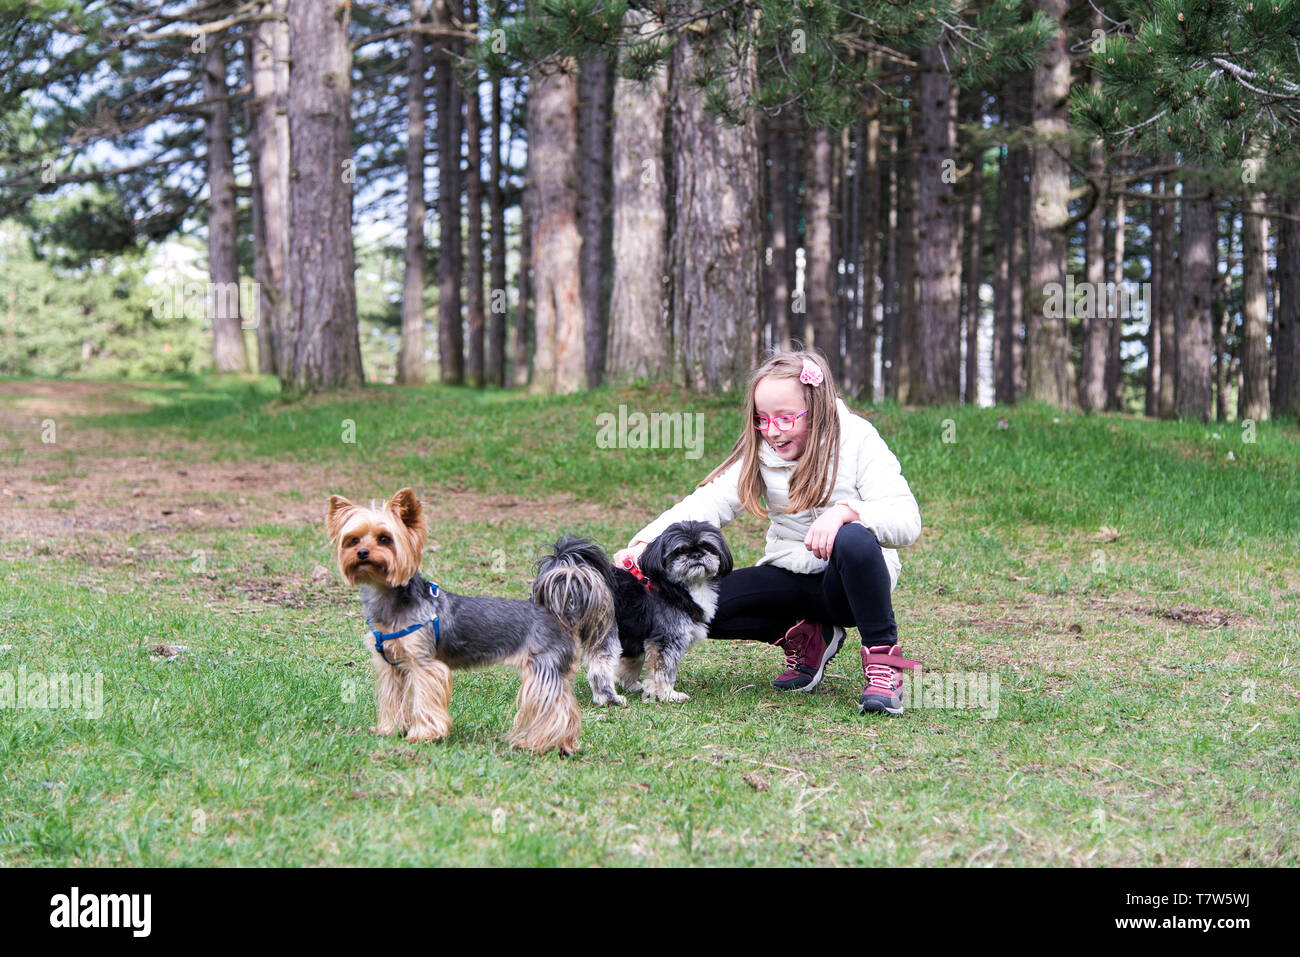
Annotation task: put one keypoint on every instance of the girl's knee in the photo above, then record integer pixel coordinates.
(854, 542)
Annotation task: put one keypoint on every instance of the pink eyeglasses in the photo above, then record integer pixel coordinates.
(783, 422)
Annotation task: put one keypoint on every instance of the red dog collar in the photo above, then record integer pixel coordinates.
(639, 576)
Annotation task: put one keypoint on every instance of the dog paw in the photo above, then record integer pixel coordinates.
(608, 699)
(383, 730)
(668, 695)
(426, 734)
(634, 687)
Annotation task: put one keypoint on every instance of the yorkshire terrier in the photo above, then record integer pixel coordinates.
(420, 633)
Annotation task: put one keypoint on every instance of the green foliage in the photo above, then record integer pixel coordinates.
(1002, 41)
(93, 318)
(67, 80)
(1212, 81)
(69, 308)
(75, 76)
(823, 59)
(82, 225)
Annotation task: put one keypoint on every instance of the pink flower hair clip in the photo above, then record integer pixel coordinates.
(811, 375)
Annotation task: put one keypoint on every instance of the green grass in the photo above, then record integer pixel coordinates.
(1148, 683)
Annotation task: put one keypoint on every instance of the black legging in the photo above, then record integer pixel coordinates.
(763, 602)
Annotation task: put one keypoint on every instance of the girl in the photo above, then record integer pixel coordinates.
(839, 507)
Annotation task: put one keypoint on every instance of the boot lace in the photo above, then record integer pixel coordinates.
(881, 678)
(793, 654)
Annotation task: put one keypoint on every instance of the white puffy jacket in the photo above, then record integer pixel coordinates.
(868, 480)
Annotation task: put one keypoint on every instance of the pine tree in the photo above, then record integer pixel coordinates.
(638, 347)
(1213, 80)
(815, 64)
(410, 357)
(321, 349)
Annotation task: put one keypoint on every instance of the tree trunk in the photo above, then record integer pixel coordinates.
(790, 322)
(1222, 363)
(780, 196)
(262, 323)
(819, 275)
(521, 355)
(846, 251)
(907, 364)
(593, 203)
(1002, 324)
(1047, 342)
(1253, 400)
(1286, 307)
(1169, 299)
(322, 349)
(889, 272)
(638, 339)
(410, 357)
(1114, 355)
(269, 77)
(974, 272)
(474, 358)
(1009, 256)
(559, 363)
(1097, 321)
(767, 318)
(262, 320)
(1192, 396)
(714, 247)
(869, 171)
(1101, 327)
(451, 338)
(938, 236)
(228, 354)
(1019, 277)
(495, 367)
(1152, 407)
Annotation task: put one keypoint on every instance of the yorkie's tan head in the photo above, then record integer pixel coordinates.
(377, 546)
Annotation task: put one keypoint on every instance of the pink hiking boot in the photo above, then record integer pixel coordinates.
(808, 647)
(883, 666)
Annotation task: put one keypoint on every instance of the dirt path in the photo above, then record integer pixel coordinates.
(60, 481)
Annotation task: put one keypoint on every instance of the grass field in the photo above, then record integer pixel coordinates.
(1129, 589)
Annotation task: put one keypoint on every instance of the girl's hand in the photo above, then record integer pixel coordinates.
(821, 537)
(627, 557)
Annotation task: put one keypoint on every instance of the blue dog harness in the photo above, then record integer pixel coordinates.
(381, 637)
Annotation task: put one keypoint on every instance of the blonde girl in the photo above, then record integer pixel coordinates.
(838, 507)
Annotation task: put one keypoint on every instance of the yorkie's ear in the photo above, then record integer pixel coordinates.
(407, 507)
(337, 516)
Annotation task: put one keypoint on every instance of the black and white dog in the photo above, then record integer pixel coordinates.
(661, 608)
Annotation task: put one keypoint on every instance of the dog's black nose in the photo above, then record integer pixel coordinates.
(363, 553)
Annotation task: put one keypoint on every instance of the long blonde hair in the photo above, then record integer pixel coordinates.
(814, 476)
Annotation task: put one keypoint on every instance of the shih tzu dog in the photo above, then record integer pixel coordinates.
(420, 633)
(661, 608)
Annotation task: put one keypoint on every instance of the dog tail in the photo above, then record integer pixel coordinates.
(575, 582)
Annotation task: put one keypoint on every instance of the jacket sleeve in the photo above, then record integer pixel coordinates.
(885, 503)
(717, 502)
